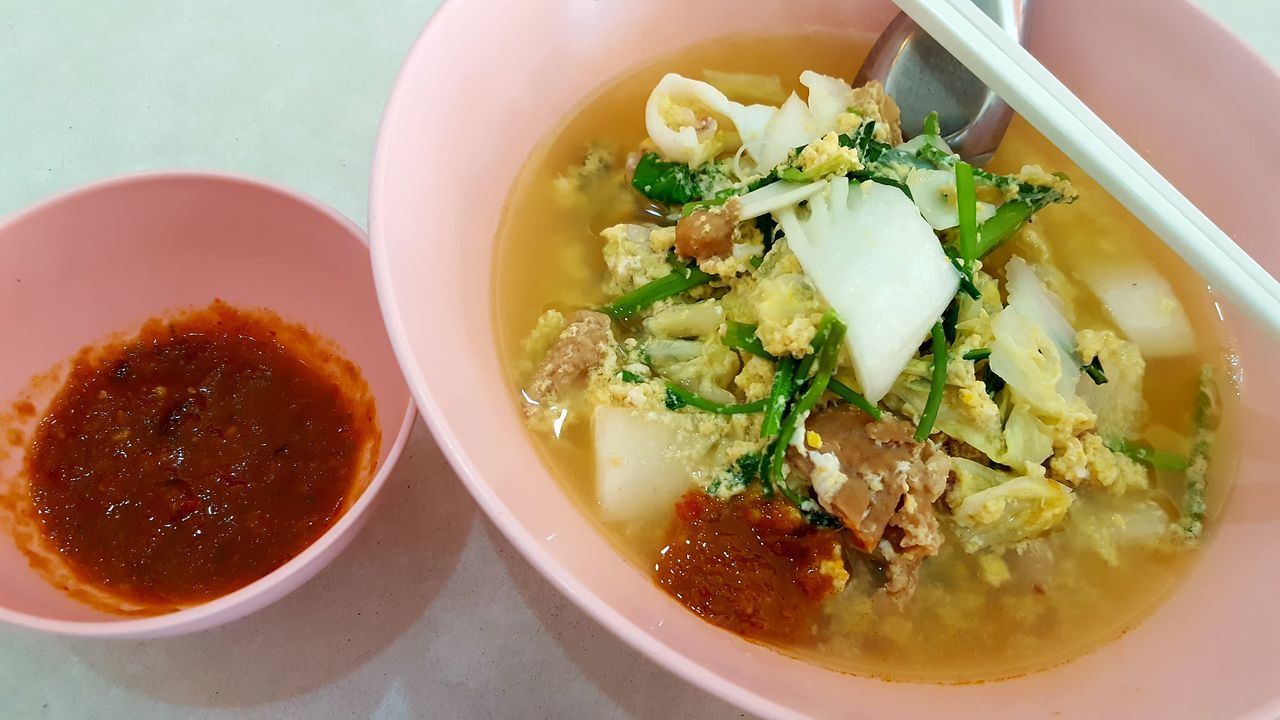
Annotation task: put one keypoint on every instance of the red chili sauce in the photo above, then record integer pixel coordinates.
(748, 564)
(199, 455)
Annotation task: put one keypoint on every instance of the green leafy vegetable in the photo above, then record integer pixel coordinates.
(820, 337)
(677, 397)
(783, 382)
(681, 279)
(967, 208)
(1147, 455)
(993, 382)
(741, 336)
(809, 397)
(720, 198)
(999, 227)
(1204, 417)
(668, 182)
(967, 286)
(950, 317)
(854, 398)
(978, 354)
(931, 126)
(630, 377)
(938, 384)
(1095, 373)
(741, 473)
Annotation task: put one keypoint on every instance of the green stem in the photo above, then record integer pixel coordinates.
(937, 386)
(1008, 218)
(828, 354)
(678, 397)
(967, 207)
(741, 336)
(680, 280)
(854, 398)
(783, 386)
(1147, 455)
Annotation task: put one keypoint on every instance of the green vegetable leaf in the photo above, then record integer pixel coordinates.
(1147, 455)
(938, 384)
(967, 208)
(681, 279)
(854, 398)
(1095, 373)
(931, 126)
(741, 473)
(977, 354)
(668, 182)
(677, 397)
(630, 377)
(741, 336)
(783, 385)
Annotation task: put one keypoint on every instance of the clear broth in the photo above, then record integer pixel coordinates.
(957, 628)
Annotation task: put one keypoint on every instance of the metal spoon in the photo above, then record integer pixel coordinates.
(923, 77)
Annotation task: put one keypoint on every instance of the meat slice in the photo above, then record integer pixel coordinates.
(874, 479)
(579, 349)
(890, 482)
(706, 234)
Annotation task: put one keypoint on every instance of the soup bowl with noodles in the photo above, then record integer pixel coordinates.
(471, 247)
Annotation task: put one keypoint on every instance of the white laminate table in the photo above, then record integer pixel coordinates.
(430, 613)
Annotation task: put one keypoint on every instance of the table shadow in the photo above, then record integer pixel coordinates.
(374, 591)
(638, 685)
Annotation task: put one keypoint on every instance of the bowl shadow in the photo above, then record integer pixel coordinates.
(635, 683)
(349, 613)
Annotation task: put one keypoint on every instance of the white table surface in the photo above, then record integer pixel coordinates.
(429, 613)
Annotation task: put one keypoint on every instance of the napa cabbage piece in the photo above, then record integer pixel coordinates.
(688, 320)
(1034, 347)
(706, 368)
(1118, 403)
(1141, 302)
(878, 264)
(641, 466)
(994, 510)
(1107, 525)
(780, 300)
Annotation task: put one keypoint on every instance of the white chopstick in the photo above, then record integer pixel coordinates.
(1032, 91)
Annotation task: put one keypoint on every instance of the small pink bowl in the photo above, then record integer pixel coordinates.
(105, 258)
(462, 120)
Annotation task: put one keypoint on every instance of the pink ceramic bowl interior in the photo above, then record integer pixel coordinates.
(105, 258)
(463, 119)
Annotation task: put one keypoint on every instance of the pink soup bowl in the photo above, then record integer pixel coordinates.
(490, 79)
(102, 259)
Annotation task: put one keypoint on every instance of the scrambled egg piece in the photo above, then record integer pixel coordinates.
(544, 334)
(1014, 510)
(1088, 459)
(826, 156)
(630, 255)
(784, 304)
(756, 379)
(993, 569)
(576, 186)
(871, 102)
(1036, 175)
(748, 248)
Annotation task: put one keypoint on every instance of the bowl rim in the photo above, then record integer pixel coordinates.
(224, 608)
